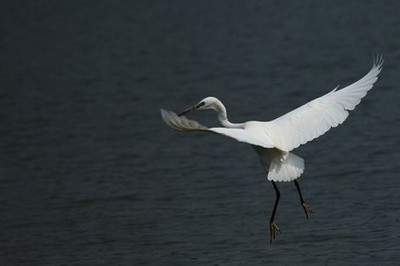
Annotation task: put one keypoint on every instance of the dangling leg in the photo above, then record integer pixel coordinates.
(305, 206)
(273, 228)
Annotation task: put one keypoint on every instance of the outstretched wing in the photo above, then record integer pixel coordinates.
(316, 117)
(184, 124)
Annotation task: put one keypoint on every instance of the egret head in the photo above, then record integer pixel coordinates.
(206, 103)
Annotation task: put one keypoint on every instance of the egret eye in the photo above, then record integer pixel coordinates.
(201, 104)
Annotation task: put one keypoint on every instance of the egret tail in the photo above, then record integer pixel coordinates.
(281, 166)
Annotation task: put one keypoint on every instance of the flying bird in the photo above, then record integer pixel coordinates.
(274, 140)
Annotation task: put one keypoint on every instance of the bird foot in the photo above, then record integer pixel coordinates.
(306, 209)
(273, 228)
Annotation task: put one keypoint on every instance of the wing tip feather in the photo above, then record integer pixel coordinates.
(378, 60)
(180, 123)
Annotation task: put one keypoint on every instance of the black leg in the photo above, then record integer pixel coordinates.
(273, 228)
(305, 206)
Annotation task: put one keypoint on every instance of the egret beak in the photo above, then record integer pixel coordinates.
(190, 109)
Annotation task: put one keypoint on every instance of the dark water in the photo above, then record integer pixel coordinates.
(89, 174)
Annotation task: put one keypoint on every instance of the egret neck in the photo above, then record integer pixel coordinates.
(222, 116)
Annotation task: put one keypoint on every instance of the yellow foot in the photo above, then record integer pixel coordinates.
(273, 228)
(306, 209)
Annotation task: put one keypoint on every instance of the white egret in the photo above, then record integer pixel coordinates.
(274, 140)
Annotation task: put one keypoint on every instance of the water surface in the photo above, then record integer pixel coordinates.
(90, 175)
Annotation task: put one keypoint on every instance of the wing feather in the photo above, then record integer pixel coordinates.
(184, 124)
(181, 123)
(319, 115)
(246, 136)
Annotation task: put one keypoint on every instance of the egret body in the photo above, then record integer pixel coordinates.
(274, 140)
